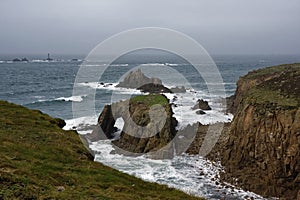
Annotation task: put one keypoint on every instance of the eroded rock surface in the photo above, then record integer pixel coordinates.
(262, 150)
(201, 104)
(137, 79)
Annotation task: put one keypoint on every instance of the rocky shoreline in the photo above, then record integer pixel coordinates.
(260, 149)
(262, 152)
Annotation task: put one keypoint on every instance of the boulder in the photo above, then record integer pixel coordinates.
(200, 112)
(201, 104)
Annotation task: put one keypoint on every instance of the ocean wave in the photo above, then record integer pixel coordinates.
(60, 99)
(153, 64)
(119, 65)
(182, 108)
(43, 61)
(172, 64)
(182, 172)
(81, 124)
(72, 98)
(111, 86)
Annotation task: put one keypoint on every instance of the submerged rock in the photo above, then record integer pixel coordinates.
(200, 112)
(178, 89)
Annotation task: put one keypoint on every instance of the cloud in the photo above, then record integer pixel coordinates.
(76, 26)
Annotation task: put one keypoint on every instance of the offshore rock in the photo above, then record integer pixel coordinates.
(149, 125)
(146, 129)
(154, 88)
(201, 104)
(137, 79)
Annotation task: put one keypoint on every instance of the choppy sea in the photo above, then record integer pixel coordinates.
(48, 86)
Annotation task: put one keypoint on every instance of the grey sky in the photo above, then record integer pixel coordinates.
(221, 26)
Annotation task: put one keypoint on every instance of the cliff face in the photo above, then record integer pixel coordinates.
(143, 133)
(263, 147)
(148, 123)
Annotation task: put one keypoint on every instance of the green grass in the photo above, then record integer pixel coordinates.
(278, 85)
(150, 99)
(36, 157)
(271, 70)
(262, 95)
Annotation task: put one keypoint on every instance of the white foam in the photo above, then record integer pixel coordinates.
(172, 64)
(81, 123)
(152, 64)
(182, 108)
(37, 61)
(118, 65)
(182, 172)
(72, 98)
(111, 86)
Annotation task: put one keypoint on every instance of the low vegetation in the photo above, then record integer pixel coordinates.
(150, 99)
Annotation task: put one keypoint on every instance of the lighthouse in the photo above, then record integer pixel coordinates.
(49, 59)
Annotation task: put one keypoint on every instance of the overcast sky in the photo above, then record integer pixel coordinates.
(220, 26)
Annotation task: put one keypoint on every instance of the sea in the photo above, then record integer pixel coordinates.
(47, 85)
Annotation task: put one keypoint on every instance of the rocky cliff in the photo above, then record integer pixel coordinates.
(262, 150)
(148, 123)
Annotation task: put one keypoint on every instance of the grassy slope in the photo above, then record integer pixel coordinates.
(282, 89)
(36, 157)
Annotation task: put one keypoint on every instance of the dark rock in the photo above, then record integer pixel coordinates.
(154, 88)
(24, 60)
(200, 112)
(59, 122)
(137, 79)
(140, 133)
(201, 104)
(178, 89)
(16, 60)
(152, 137)
(105, 128)
(261, 149)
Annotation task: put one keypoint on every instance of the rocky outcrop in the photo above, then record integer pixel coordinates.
(137, 79)
(262, 149)
(148, 123)
(154, 88)
(106, 122)
(178, 89)
(201, 104)
(147, 128)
